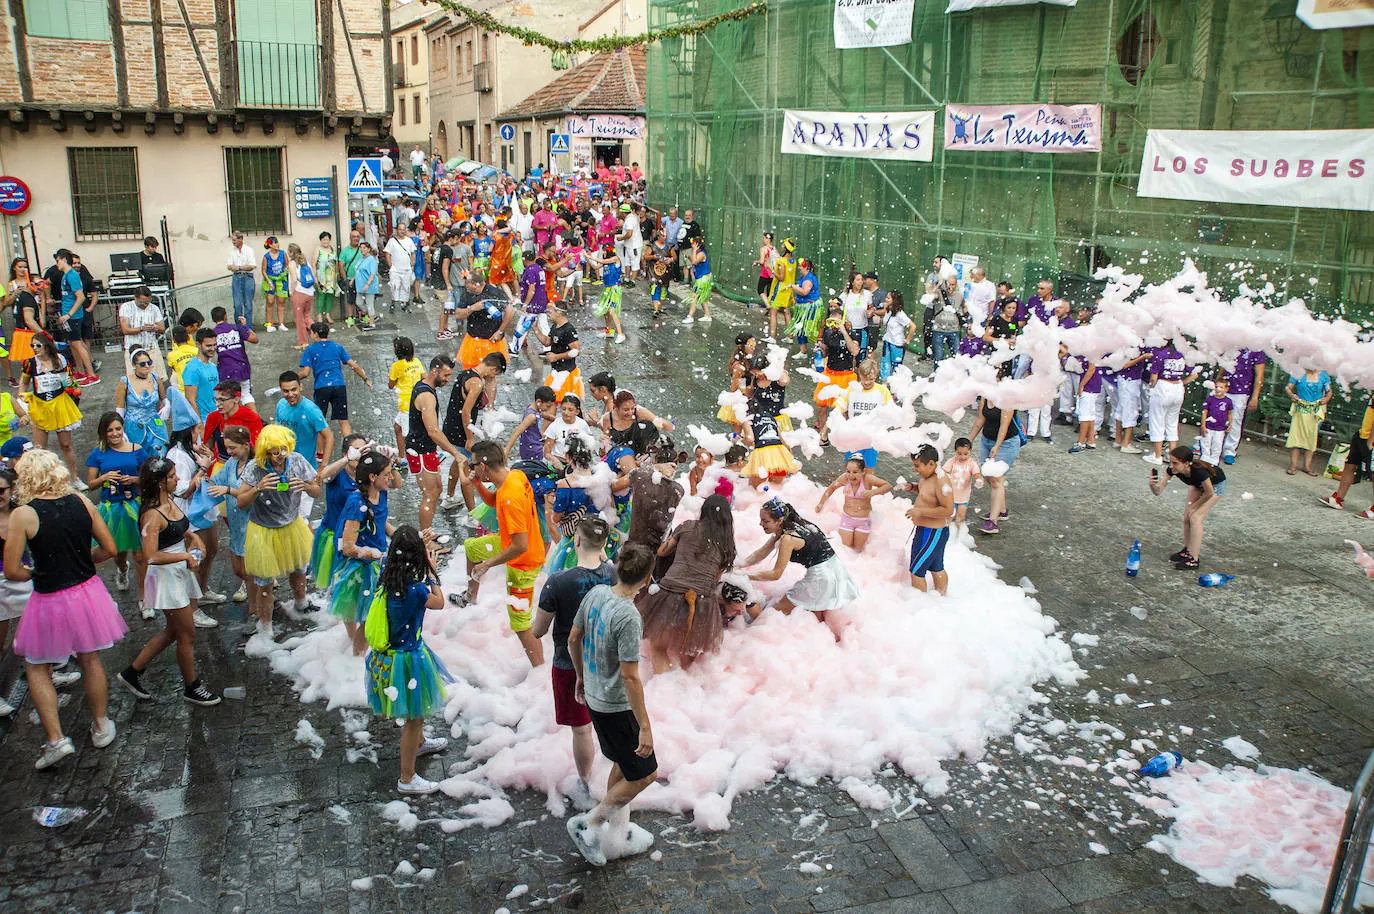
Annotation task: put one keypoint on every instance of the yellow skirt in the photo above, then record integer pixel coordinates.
(564, 383)
(727, 414)
(773, 462)
(275, 552)
(58, 415)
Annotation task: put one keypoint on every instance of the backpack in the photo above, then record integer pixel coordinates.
(306, 277)
(377, 628)
(543, 478)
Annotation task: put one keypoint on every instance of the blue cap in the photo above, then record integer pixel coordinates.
(613, 456)
(15, 447)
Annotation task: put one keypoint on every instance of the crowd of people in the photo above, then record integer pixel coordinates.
(574, 506)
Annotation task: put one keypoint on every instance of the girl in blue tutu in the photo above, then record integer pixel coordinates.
(361, 547)
(405, 681)
(338, 482)
(112, 471)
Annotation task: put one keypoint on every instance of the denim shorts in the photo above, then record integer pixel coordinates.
(1006, 453)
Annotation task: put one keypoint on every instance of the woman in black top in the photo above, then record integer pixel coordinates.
(1206, 483)
(70, 611)
(826, 586)
(627, 424)
(172, 553)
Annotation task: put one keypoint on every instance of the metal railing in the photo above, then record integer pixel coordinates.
(1348, 869)
(274, 74)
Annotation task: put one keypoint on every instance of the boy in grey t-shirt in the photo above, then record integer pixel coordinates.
(604, 643)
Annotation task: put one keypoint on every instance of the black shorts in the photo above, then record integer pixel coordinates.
(332, 401)
(87, 327)
(765, 284)
(618, 734)
(1359, 454)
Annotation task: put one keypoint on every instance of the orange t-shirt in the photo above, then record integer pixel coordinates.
(515, 514)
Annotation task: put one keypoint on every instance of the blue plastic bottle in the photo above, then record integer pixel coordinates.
(819, 361)
(1161, 764)
(1133, 560)
(1213, 579)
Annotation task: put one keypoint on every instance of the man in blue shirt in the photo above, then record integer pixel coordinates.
(74, 297)
(314, 440)
(200, 376)
(325, 359)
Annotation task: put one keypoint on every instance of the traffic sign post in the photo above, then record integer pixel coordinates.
(14, 196)
(560, 144)
(364, 177)
(314, 198)
(507, 132)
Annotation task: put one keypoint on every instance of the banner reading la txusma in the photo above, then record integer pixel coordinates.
(908, 135)
(1326, 169)
(1024, 128)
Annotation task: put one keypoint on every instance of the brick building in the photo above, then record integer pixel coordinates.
(410, 75)
(190, 119)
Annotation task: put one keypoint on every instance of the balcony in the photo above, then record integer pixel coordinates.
(277, 75)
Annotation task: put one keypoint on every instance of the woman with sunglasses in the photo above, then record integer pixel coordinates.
(139, 400)
(13, 594)
(170, 552)
(47, 391)
(226, 482)
(112, 470)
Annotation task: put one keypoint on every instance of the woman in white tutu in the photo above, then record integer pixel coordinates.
(825, 587)
(172, 553)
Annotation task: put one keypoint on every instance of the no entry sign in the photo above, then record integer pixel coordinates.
(14, 196)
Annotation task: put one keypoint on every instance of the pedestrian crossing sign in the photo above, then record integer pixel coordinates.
(364, 176)
(559, 144)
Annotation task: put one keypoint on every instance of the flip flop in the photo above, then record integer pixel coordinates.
(1292, 472)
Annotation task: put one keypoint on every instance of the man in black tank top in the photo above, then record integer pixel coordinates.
(426, 437)
(474, 390)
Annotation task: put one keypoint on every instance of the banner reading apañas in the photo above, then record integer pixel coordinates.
(1024, 128)
(872, 23)
(1326, 169)
(908, 135)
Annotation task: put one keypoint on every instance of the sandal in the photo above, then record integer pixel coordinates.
(1292, 472)
(1311, 472)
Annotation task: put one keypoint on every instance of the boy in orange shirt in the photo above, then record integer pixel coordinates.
(521, 544)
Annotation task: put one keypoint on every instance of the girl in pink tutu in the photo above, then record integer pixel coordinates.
(13, 594)
(70, 611)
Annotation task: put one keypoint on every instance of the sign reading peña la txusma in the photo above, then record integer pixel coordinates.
(908, 135)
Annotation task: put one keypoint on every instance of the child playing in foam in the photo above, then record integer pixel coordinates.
(825, 587)
(859, 488)
(963, 474)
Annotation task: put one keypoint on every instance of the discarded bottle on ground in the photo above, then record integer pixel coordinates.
(1133, 560)
(1161, 764)
(1213, 579)
(238, 693)
(57, 816)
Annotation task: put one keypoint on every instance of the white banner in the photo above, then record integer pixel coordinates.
(606, 126)
(872, 23)
(1326, 169)
(908, 135)
(963, 6)
(1336, 14)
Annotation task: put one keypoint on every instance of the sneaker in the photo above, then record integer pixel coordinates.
(1152, 460)
(1333, 501)
(416, 785)
(686, 320)
(103, 736)
(1049, 439)
(348, 321)
(1229, 459)
(1089, 447)
(1367, 513)
(204, 621)
(449, 502)
(87, 380)
(146, 612)
(581, 796)
(988, 526)
(368, 327)
(1186, 563)
(1005, 515)
(6, 709)
(706, 319)
(271, 328)
(620, 337)
(431, 746)
(134, 683)
(1180, 555)
(210, 598)
(1131, 449)
(1078, 448)
(54, 753)
(122, 579)
(197, 694)
(587, 839)
(241, 594)
(80, 485)
(63, 679)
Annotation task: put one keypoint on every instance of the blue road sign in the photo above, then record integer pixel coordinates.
(560, 144)
(314, 198)
(364, 176)
(14, 196)
(507, 132)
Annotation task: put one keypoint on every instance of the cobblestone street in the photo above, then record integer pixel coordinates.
(222, 809)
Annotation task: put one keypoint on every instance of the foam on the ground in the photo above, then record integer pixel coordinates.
(917, 680)
(1276, 825)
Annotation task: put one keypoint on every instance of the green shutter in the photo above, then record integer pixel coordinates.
(74, 19)
(278, 56)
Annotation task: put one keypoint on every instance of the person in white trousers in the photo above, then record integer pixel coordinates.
(1169, 376)
(1127, 407)
(1244, 386)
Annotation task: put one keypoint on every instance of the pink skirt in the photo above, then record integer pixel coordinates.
(77, 620)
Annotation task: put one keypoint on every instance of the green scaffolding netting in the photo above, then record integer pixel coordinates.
(716, 103)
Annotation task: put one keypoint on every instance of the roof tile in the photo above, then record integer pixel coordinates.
(610, 83)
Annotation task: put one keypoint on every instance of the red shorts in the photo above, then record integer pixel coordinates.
(566, 710)
(427, 462)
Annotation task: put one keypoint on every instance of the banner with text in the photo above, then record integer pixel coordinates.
(1336, 14)
(1024, 128)
(908, 135)
(964, 6)
(606, 126)
(872, 23)
(1326, 169)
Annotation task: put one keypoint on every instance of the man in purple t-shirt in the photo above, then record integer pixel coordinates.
(1244, 385)
(1128, 399)
(1169, 375)
(1089, 396)
(1039, 304)
(534, 298)
(230, 354)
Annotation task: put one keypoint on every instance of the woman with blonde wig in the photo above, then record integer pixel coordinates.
(278, 540)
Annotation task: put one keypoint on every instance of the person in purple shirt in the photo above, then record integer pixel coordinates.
(1169, 376)
(1244, 386)
(1128, 390)
(1038, 304)
(230, 354)
(534, 297)
(1089, 399)
(1216, 418)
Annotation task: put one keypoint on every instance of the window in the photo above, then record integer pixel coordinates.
(415, 102)
(401, 108)
(415, 49)
(105, 195)
(486, 48)
(254, 180)
(401, 53)
(469, 55)
(77, 19)
(1137, 47)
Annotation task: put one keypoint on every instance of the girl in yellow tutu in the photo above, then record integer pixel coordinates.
(278, 540)
(739, 378)
(50, 392)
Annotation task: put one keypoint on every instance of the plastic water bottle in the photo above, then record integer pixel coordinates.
(1161, 764)
(1133, 560)
(819, 362)
(1213, 579)
(57, 816)
(237, 693)
(197, 555)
